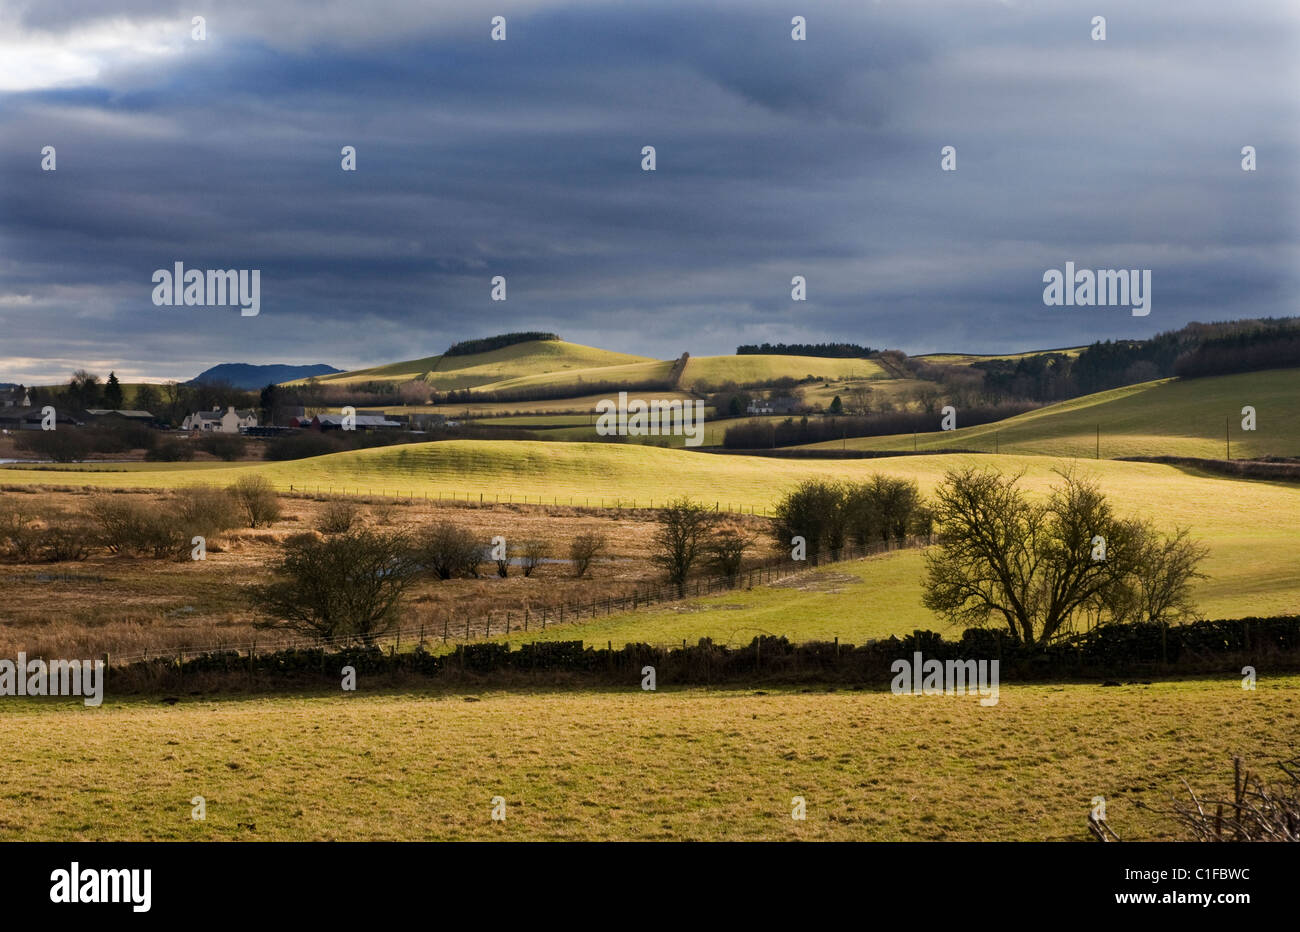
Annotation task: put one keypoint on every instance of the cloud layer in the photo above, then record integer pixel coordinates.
(522, 158)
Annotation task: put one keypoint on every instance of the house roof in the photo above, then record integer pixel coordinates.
(100, 412)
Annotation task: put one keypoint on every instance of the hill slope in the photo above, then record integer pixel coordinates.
(250, 377)
(1254, 566)
(521, 359)
(1169, 417)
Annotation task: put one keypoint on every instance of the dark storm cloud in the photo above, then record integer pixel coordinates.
(522, 158)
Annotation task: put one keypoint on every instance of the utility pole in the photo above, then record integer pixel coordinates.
(1098, 441)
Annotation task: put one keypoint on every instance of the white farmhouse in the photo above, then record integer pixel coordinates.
(229, 422)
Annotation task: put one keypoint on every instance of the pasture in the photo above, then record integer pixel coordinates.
(1253, 568)
(624, 764)
(1168, 417)
(454, 372)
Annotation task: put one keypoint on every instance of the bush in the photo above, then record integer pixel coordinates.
(534, 552)
(114, 435)
(19, 535)
(171, 450)
(206, 511)
(337, 517)
(130, 527)
(256, 499)
(682, 533)
(727, 552)
(450, 551)
(64, 445)
(301, 446)
(228, 447)
(67, 542)
(349, 585)
(583, 550)
(119, 520)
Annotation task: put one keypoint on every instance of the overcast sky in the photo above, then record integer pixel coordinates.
(522, 158)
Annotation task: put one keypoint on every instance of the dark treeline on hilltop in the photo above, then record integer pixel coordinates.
(835, 350)
(1190, 352)
(486, 344)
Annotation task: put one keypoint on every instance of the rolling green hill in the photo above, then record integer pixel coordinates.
(744, 370)
(1254, 566)
(522, 359)
(1169, 417)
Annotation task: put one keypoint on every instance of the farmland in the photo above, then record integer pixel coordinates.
(1169, 417)
(1253, 567)
(519, 360)
(625, 764)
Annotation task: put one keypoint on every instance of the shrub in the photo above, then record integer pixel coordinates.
(228, 447)
(63, 445)
(533, 553)
(337, 517)
(128, 526)
(171, 450)
(450, 551)
(301, 446)
(256, 499)
(583, 550)
(727, 552)
(119, 520)
(205, 510)
(19, 535)
(683, 527)
(813, 510)
(349, 585)
(67, 542)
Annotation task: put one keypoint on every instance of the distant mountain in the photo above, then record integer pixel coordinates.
(249, 377)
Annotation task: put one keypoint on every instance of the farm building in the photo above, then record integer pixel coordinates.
(30, 419)
(228, 422)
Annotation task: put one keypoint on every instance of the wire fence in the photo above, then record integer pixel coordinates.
(529, 620)
(409, 496)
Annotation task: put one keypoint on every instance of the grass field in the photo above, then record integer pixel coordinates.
(742, 370)
(625, 764)
(965, 359)
(855, 601)
(1169, 417)
(456, 372)
(1254, 565)
(552, 363)
(580, 404)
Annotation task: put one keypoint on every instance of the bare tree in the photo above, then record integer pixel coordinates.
(1257, 811)
(583, 550)
(532, 553)
(1029, 564)
(727, 551)
(683, 531)
(348, 585)
(257, 500)
(450, 551)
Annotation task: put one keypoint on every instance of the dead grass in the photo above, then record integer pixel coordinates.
(128, 605)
